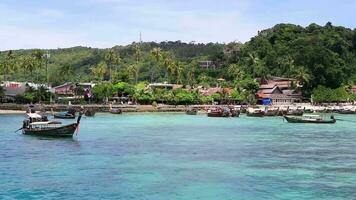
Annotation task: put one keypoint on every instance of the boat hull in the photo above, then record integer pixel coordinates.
(256, 114)
(63, 131)
(299, 120)
(64, 116)
(192, 112)
(218, 114)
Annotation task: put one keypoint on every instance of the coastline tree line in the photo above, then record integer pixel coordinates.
(319, 57)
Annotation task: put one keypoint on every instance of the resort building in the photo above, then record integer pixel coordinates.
(12, 89)
(207, 64)
(279, 91)
(66, 89)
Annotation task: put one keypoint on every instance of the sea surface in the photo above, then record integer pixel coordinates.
(151, 156)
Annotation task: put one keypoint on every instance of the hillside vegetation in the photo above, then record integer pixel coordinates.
(315, 55)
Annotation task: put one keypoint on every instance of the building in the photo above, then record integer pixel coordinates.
(164, 86)
(278, 92)
(66, 89)
(12, 88)
(207, 64)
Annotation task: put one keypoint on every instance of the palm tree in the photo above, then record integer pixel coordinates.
(112, 58)
(167, 65)
(180, 69)
(254, 62)
(302, 75)
(29, 64)
(137, 52)
(190, 74)
(66, 70)
(287, 66)
(156, 54)
(9, 63)
(133, 71)
(236, 71)
(100, 70)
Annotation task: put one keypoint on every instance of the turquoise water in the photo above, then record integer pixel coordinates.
(176, 156)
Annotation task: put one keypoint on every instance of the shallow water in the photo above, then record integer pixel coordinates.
(176, 156)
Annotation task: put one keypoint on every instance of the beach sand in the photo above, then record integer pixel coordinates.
(12, 112)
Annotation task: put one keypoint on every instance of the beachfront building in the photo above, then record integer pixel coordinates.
(279, 91)
(66, 89)
(12, 89)
(70, 91)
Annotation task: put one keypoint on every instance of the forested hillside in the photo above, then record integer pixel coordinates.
(315, 55)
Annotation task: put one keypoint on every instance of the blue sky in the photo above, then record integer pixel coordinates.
(105, 23)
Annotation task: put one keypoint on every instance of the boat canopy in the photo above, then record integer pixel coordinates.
(45, 123)
(34, 115)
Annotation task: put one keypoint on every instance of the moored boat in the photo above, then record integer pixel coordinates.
(114, 110)
(69, 114)
(89, 112)
(64, 115)
(219, 112)
(255, 112)
(38, 126)
(235, 112)
(315, 119)
(192, 111)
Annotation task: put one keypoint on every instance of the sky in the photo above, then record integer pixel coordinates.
(28, 24)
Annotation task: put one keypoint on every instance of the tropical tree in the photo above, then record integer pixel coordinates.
(302, 75)
(66, 70)
(134, 72)
(100, 70)
(29, 64)
(38, 57)
(156, 53)
(9, 63)
(112, 58)
(168, 66)
(137, 52)
(180, 72)
(236, 72)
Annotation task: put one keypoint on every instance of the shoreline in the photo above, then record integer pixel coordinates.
(21, 108)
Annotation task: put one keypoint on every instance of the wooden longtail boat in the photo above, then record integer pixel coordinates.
(64, 115)
(235, 113)
(219, 112)
(346, 111)
(89, 112)
(255, 112)
(35, 125)
(114, 110)
(314, 119)
(192, 111)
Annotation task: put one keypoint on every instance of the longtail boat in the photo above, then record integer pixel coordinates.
(251, 112)
(64, 115)
(314, 119)
(69, 114)
(192, 111)
(40, 126)
(114, 110)
(219, 112)
(235, 113)
(89, 112)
